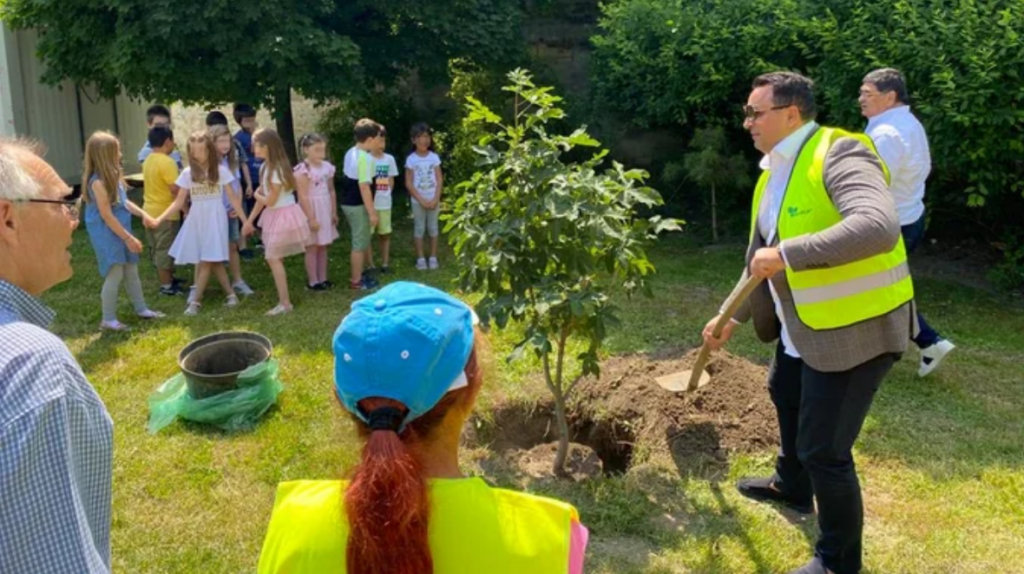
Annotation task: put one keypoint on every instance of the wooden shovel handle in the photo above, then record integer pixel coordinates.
(732, 304)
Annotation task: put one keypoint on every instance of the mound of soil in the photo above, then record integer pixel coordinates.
(624, 409)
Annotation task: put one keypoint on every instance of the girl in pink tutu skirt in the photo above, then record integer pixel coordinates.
(314, 178)
(287, 220)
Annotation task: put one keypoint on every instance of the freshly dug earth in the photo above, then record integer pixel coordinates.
(624, 411)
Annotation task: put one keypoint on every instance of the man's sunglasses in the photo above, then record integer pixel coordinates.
(751, 113)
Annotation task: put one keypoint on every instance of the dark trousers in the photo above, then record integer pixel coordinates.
(913, 234)
(820, 415)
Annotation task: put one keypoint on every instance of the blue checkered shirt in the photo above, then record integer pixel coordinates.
(56, 449)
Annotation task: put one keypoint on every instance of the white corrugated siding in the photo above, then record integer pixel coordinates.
(52, 114)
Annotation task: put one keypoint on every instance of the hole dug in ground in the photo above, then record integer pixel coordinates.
(625, 412)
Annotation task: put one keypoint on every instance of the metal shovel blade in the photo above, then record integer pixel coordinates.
(686, 381)
(680, 382)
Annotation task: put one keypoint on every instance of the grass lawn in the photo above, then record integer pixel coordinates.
(941, 459)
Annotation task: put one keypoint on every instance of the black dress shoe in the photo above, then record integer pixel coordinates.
(813, 567)
(760, 489)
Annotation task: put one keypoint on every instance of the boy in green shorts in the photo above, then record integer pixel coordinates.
(385, 170)
(357, 198)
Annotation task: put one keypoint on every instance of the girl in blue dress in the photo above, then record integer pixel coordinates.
(108, 219)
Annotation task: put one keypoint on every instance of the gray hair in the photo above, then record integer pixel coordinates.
(790, 89)
(889, 80)
(16, 182)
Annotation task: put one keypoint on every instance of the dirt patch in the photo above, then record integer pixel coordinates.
(580, 464)
(625, 411)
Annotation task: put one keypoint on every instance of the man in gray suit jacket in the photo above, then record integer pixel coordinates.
(823, 377)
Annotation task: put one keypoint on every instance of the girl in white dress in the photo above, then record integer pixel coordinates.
(203, 238)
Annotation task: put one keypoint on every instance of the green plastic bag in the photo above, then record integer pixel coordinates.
(234, 410)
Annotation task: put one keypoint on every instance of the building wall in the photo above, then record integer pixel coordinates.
(60, 117)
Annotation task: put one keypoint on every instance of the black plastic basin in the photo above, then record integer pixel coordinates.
(211, 364)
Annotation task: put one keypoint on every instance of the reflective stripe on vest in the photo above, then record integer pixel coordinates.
(473, 528)
(836, 296)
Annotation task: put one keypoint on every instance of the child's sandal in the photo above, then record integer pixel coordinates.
(193, 308)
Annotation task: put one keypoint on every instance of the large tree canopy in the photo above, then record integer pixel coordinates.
(218, 51)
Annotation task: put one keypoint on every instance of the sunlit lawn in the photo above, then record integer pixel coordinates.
(941, 459)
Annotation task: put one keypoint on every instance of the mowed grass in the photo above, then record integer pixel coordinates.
(941, 459)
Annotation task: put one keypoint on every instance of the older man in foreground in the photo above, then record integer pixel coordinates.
(56, 438)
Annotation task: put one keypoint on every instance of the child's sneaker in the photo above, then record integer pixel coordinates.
(433, 263)
(327, 284)
(364, 284)
(150, 314)
(193, 308)
(171, 291)
(316, 287)
(114, 325)
(242, 288)
(232, 301)
(279, 310)
(421, 264)
(384, 270)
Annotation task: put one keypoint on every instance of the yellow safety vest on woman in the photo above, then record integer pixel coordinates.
(836, 296)
(473, 528)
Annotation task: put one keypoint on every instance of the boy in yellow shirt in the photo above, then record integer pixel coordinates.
(159, 172)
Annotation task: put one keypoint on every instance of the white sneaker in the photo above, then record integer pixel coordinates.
(421, 264)
(279, 310)
(232, 301)
(192, 309)
(432, 263)
(933, 355)
(243, 288)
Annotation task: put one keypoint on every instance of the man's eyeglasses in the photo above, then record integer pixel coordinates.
(753, 114)
(69, 201)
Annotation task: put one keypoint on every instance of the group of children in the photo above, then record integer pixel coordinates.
(202, 213)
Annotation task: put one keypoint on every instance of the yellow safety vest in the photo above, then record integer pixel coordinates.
(837, 296)
(473, 528)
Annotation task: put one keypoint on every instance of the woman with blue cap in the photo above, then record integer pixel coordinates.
(406, 369)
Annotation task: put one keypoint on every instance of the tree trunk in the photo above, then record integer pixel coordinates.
(714, 215)
(555, 386)
(286, 122)
(563, 437)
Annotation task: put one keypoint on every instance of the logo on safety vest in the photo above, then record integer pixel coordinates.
(796, 211)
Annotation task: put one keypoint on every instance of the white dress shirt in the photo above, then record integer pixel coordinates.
(903, 145)
(779, 163)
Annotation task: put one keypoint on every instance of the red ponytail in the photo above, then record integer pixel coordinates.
(386, 502)
(387, 507)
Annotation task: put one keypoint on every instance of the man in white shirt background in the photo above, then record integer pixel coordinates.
(903, 145)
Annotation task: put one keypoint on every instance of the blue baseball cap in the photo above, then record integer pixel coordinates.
(408, 342)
